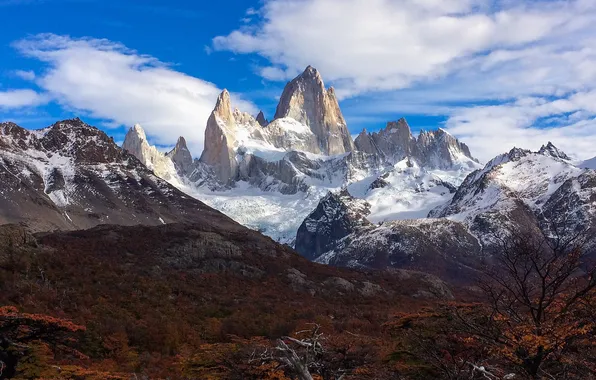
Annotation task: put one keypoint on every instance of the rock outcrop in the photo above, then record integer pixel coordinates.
(551, 150)
(306, 100)
(336, 216)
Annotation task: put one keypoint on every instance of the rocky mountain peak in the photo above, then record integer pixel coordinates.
(393, 143)
(434, 149)
(365, 143)
(138, 132)
(136, 144)
(442, 149)
(261, 119)
(219, 152)
(312, 74)
(306, 100)
(76, 139)
(401, 128)
(516, 153)
(223, 107)
(135, 141)
(337, 215)
(551, 150)
(181, 157)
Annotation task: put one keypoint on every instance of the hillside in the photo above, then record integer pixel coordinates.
(153, 296)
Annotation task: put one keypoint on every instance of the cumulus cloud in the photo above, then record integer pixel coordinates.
(14, 99)
(121, 86)
(366, 45)
(534, 62)
(569, 123)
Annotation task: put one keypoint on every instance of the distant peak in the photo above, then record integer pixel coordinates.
(551, 150)
(75, 122)
(138, 131)
(181, 157)
(516, 153)
(311, 74)
(181, 143)
(400, 124)
(223, 107)
(223, 98)
(311, 70)
(262, 120)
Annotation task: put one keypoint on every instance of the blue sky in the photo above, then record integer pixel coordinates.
(495, 73)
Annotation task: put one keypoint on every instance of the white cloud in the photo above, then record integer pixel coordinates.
(534, 61)
(26, 75)
(491, 130)
(13, 99)
(365, 45)
(119, 85)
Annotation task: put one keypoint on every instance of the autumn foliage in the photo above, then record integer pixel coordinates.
(28, 339)
(181, 302)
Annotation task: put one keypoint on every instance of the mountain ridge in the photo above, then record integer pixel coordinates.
(72, 175)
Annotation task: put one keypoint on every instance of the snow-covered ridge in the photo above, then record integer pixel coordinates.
(521, 188)
(72, 176)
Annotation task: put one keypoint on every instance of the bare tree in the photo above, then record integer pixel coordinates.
(538, 291)
(301, 355)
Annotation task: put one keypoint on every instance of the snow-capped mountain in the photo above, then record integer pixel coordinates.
(269, 175)
(522, 188)
(338, 232)
(387, 199)
(72, 176)
(434, 149)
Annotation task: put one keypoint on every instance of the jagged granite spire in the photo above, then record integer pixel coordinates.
(434, 149)
(306, 100)
(365, 143)
(220, 140)
(261, 119)
(136, 144)
(181, 157)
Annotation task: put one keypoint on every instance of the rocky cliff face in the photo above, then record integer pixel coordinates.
(336, 216)
(306, 100)
(338, 233)
(439, 149)
(220, 140)
(261, 119)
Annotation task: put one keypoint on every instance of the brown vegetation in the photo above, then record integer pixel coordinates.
(199, 302)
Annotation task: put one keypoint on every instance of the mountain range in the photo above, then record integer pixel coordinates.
(384, 199)
(160, 263)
